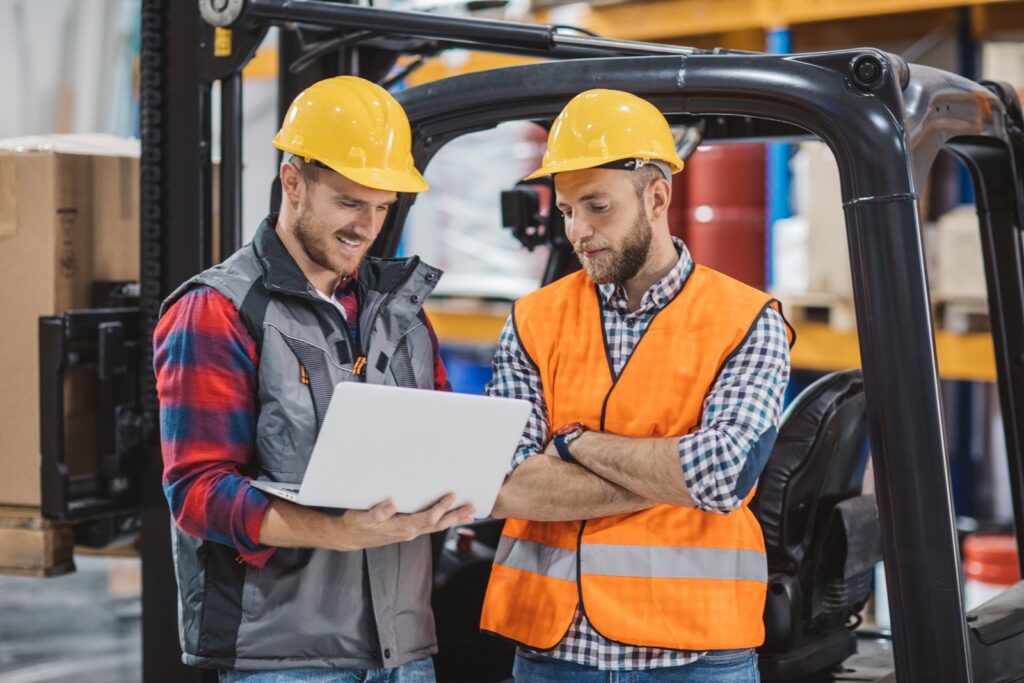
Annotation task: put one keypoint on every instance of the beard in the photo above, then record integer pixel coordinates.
(621, 263)
(320, 248)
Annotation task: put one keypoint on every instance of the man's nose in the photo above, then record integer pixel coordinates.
(578, 229)
(365, 222)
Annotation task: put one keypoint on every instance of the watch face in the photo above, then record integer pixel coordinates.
(569, 429)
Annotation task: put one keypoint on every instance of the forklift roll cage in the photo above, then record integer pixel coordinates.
(885, 121)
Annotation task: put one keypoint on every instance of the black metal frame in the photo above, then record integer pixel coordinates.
(103, 503)
(880, 129)
(884, 120)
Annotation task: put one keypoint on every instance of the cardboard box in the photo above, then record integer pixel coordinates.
(819, 200)
(1003, 61)
(68, 216)
(961, 267)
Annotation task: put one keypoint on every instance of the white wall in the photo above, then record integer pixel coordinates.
(66, 66)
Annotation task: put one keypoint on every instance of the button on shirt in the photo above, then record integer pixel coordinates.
(740, 412)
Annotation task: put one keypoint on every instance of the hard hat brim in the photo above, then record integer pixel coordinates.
(580, 164)
(375, 178)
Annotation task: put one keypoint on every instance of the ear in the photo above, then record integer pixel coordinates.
(291, 183)
(658, 197)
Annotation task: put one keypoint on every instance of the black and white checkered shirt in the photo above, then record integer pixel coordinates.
(744, 404)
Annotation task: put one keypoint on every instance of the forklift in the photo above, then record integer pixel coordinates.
(885, 121)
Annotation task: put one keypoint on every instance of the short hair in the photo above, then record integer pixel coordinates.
(644, 176)
(309, 171)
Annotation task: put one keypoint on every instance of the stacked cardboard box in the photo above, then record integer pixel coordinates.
(68, 217)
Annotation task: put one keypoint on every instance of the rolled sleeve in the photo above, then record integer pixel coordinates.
(205, 364)
(723, 459)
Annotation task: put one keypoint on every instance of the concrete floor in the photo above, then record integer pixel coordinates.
(84, 627)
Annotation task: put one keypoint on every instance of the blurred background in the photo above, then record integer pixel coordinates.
(768, 214)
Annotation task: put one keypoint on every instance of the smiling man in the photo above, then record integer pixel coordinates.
(657, 389)
(246, 356)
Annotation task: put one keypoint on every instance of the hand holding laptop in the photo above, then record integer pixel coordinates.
(383, 524)
(287, 525)
(408, 447)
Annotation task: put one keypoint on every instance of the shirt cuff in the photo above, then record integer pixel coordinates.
(251, 508)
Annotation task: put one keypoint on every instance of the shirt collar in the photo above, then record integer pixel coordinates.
(614, 296)
(347, 283)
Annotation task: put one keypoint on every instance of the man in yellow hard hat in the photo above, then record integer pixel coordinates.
(246, 356)
(657, 387)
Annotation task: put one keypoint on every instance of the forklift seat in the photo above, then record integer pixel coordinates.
(822, 536)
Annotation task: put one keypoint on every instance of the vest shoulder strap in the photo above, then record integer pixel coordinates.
(253, 312)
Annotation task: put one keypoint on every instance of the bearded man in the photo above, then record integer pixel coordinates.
(657, 388)
(246, 356)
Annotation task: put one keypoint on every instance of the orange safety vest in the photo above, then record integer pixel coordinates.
(668, 577)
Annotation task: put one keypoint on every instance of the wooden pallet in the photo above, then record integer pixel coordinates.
(831, 309)
(954, 314)
(961, 316)
(33, 546)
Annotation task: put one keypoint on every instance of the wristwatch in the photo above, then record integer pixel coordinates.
(565, 436)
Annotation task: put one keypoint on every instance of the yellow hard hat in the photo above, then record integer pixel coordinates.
(356, 128)
(599, 127)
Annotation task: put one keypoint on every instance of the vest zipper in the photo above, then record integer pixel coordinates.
(383, 302)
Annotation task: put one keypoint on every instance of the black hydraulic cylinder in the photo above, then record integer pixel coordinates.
(480, 34)
(416, 24)
(230, 164)
(175, 242)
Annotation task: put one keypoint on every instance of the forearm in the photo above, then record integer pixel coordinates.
(293, 526)
(648, 468)
(214, 502)
(546, 489)
(286, 525)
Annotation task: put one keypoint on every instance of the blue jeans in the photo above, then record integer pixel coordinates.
(721, 666)
(420, 671)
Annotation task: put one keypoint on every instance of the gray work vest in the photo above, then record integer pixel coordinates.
(306, 607)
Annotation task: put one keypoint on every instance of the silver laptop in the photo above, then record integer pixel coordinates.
(410, 445)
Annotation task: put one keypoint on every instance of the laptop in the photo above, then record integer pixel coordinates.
(410, 445)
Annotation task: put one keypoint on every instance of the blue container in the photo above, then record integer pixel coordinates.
(469, 366)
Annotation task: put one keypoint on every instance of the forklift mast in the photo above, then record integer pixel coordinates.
(884, 120)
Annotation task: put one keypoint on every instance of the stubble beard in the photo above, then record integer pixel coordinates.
(318, 248)
(625, 261)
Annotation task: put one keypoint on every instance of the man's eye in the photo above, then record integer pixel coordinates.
(350, 205)
(598, 208)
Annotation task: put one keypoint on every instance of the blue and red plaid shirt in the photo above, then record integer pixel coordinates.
(206, 374)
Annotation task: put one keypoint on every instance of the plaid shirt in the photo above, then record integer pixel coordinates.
(740, 412)
(206, 370)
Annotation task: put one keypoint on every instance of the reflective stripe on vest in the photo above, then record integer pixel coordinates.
(530, 556)
(668, 577)
(659, 562)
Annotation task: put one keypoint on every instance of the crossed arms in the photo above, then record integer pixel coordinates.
(616, 475)
(713, 468)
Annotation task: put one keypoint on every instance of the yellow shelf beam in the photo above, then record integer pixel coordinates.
(961, 356)
(819, 347)
(463, 323)
(675, 20)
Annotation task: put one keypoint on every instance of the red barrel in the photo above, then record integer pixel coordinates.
(990, 567)
(720, 212)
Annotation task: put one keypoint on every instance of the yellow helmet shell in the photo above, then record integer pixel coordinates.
(356, 128)
(601, 126)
